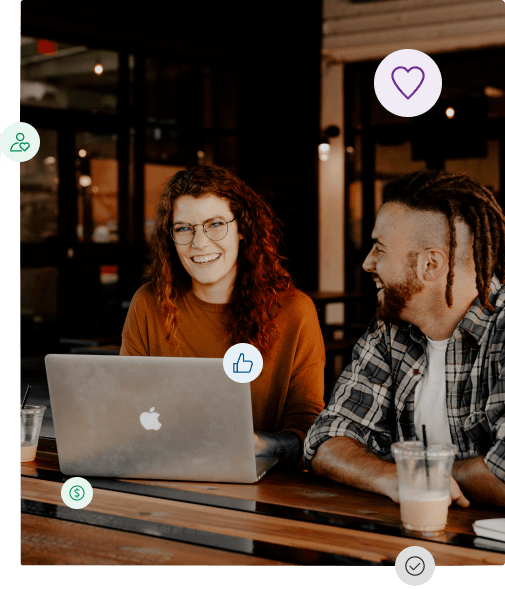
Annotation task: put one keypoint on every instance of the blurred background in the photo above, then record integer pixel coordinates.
(282, 94)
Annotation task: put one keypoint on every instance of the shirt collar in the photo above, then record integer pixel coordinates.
(415, 333)
(478, 319)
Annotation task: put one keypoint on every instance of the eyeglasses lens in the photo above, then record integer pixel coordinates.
(215, 229)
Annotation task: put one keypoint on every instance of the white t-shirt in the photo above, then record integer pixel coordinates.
(430, 406)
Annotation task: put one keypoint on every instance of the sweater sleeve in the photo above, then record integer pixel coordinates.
(134, 337)
(305, 395)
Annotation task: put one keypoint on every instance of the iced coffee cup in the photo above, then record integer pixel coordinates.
(424, 476)
(31, 421)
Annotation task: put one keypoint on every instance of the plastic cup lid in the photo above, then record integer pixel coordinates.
(33, 409)
(416, 449)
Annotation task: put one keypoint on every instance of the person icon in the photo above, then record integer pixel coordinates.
(20, 142)
(20, 145)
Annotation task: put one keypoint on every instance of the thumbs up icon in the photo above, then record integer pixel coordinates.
(239, 369)
(242, 366)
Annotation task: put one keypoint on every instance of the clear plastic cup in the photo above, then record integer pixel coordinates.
(424, 477)
(31, 421)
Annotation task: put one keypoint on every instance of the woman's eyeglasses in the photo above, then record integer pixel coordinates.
(215, 229)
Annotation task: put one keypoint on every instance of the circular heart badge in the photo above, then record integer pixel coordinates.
(408, 83)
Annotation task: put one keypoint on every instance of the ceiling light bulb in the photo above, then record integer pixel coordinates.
(98, 69)
(324, 152)
(450, 112)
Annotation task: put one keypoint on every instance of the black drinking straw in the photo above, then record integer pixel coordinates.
(25, 398)
(425, 442)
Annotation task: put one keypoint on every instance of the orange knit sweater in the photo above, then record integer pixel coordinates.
(287, 395)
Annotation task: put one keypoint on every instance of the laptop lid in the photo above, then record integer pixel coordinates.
(151, 417)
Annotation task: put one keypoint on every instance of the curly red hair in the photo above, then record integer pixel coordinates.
(261, 283)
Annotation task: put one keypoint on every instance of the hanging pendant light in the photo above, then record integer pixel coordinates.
(98, 69)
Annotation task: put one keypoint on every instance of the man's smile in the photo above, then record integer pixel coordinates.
(378, 284)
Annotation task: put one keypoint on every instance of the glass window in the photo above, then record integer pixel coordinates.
(39, 192)
(392, 161)
(220, 98)
(220, 150)
(173, 92)
(484, 169)
(97, 183)
(155, 180)
(168, 145)
(39, 292)
(355, 214)
(191, 114)
(62, 75)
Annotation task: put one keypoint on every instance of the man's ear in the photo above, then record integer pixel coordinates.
(435, 263)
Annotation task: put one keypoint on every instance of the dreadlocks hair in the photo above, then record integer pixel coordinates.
(458, 197)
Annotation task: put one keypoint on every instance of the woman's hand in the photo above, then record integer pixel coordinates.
(259, 445)
(285, 446)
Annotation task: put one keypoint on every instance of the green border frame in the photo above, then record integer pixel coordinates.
(369, 577)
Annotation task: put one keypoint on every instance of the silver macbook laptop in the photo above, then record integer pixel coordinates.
(152, 418)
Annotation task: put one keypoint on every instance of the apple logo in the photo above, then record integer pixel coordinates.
(149, 420)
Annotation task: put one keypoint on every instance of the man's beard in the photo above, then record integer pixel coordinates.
(395, 297)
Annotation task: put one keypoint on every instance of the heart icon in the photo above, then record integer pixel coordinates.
(407, 82)
(24, 146)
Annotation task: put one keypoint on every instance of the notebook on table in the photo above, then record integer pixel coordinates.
(152, 418)
(491, 528)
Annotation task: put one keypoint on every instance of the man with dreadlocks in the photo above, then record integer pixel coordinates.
(434, 354)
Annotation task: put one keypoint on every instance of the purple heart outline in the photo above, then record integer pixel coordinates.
(400, 67)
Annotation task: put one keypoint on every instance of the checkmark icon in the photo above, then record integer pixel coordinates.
(415, 566)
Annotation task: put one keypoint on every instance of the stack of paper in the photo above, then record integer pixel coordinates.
(491, 528)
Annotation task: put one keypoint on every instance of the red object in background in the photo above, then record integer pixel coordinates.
(108, 270)
(109, 274)
(46, 47)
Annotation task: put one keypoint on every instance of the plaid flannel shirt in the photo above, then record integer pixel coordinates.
(373, 400)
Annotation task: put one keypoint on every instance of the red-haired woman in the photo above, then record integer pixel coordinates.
(216, 279)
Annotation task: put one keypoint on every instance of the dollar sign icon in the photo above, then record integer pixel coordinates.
(76, 493)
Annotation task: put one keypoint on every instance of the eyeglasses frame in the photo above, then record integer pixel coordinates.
(202, 225)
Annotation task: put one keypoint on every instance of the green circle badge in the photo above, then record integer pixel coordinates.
(20, 142)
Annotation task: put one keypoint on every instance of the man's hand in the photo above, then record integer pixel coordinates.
(389, 485)
(478, 482)
(348, 461)
(457, 495)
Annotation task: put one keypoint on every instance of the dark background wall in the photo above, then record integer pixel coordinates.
(273, 50)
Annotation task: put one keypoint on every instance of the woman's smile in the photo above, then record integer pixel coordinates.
(205, 260)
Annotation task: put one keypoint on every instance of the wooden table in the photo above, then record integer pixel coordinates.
(286, 518)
